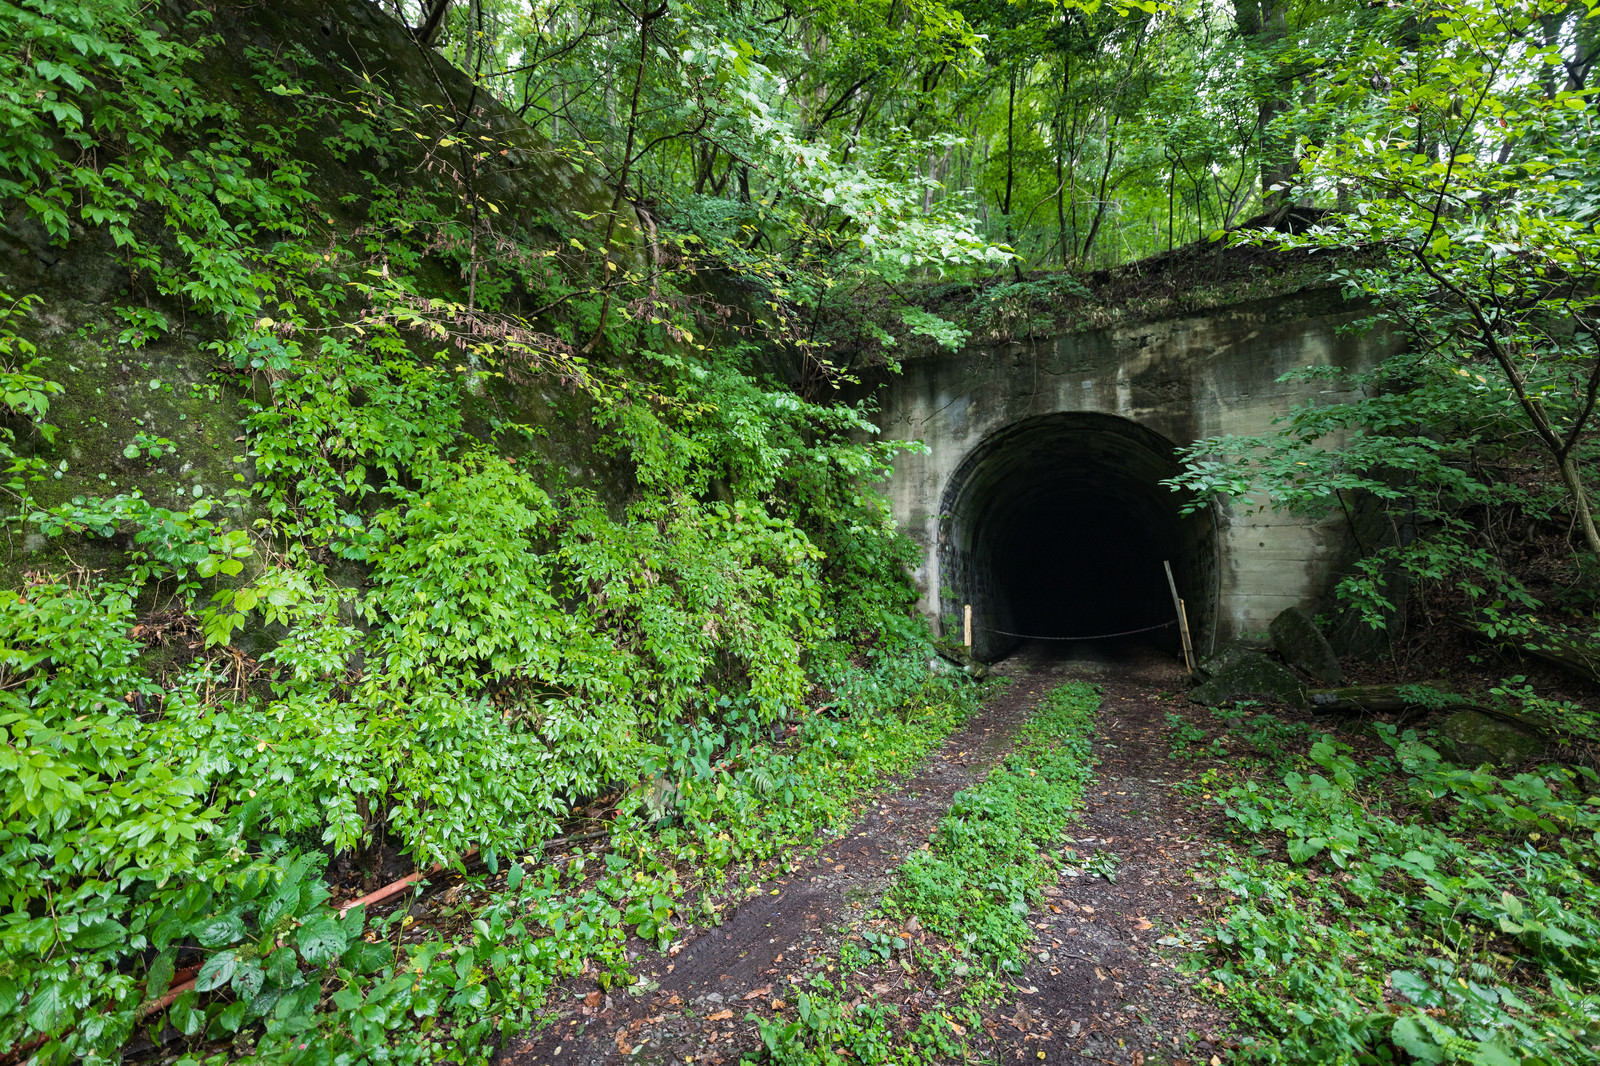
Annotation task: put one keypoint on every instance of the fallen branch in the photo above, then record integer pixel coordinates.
(1380, 699)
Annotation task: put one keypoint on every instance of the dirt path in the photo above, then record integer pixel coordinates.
(1098, 986)
(1105, 987)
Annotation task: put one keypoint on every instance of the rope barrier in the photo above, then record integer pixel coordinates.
(1101, 636)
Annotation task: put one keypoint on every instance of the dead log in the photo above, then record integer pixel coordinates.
(1378, 699)
(1576, 657)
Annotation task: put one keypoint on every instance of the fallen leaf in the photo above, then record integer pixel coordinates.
(756, 993)
(1142, 924)
(593, 1000)
(720, 1016)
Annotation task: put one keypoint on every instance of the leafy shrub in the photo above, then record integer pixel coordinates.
(1425, 909)
(425, 639)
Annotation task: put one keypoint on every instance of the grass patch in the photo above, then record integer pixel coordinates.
(719, 793)
(968, 896)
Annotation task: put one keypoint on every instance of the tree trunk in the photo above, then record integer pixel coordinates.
(645, 19)
(432, 23)
(1580, 501)
(1264, 26)
(1011, 165)
(1011, 157)
(1374, 699)
(1061, 142)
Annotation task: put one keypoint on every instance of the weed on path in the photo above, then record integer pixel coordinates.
(1102, 979)
(690, 1004)
(1003, 904)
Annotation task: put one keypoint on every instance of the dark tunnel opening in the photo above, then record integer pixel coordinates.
(1057, 529)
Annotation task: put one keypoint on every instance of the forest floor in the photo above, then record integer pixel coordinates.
(1101, 980)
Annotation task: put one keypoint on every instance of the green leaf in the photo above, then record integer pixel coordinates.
(364, 958)
(47, 1009)
(248, 979)
(217, 971)
(98, 935)
(1410, 1036)
(1414, 987)
(1494, 1052)
(294, 1010)
(1302, 848)
(159, 978)
(221, 931)
(232, 1016)
(321, 941)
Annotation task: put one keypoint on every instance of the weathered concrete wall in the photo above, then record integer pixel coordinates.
(1183, 378)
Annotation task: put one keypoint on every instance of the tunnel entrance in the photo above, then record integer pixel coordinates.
(1057, 527)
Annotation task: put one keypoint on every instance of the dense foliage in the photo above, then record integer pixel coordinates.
(1381, 903)
(831, 147)
(1460, 152)
(536, 486)
(421, 625)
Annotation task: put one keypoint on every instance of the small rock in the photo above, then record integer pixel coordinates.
(1295, 636)
(1250, 675)
(1473, 738)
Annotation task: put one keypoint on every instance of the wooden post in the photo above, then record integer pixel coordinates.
(966, 626)
(1183, 630)
(1183, 619)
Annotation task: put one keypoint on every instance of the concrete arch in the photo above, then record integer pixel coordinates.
(1120, 398)
(1058, 526)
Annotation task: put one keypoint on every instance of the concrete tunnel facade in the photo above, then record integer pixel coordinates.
(1059, 528)
(1038, 496)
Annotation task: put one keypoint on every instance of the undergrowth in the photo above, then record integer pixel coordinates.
(957, 910)
(1393, 907)
(414, 629)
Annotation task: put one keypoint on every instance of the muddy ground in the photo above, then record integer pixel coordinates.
(1102, 981)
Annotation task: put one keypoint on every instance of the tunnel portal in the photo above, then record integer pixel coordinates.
(1057, 527)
